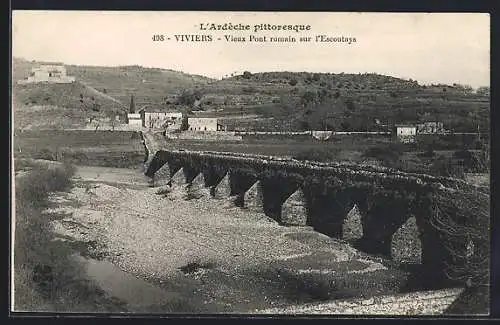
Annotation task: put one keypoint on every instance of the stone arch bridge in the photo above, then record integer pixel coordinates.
(399, 213)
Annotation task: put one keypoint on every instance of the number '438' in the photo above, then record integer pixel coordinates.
(158, 38)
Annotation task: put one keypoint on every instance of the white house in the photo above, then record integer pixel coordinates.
(406, 133)
(134, 119)
(48, 73)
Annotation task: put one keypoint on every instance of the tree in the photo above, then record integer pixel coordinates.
(184, 123)
(132, 104)
(465, 235)
(350, 104)
(112, 114)
(307, 98)
(247, 75)
(483, 91)
(186, 98)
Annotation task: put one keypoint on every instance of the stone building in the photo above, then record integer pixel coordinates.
(156, 119)
(48, 73)
(204, 124)
(430, 128)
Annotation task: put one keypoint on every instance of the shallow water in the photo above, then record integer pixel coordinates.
(137, 293)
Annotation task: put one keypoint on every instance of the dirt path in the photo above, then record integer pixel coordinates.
(218, 257)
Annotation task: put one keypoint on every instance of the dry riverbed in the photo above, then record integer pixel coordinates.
(163, 253)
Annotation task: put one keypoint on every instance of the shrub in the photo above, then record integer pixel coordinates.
(247, 74)
(318, 154)
(293, 82)
(472, 162)
(428, 153)
(463, 154)
(32, 234)
(249, 90)
(447, 167)
(387, 153)
(465, 235)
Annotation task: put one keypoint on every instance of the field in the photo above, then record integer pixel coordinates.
(443, 160)
(100, 148)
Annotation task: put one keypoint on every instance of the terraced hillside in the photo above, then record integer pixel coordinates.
(149, 85)
(62, 105)
(288, 100)
(345, 101)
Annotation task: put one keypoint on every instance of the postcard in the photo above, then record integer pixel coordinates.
(250, 163)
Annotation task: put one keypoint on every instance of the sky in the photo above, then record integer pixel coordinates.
(427, 47)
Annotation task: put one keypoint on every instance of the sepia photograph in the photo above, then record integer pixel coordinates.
(250, 163)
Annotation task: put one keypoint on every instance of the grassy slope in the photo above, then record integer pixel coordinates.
(375, 95)
(147, 84)
(108, 87)
(60, 105)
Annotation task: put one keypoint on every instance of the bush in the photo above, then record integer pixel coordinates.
(35, 187)
(387, 153)
(465, 235)
(33, 236)
(428, 153)
(318, 154)
(471, 162)
(463, 154)
(247, 75)
(447, 167)
(293, 82)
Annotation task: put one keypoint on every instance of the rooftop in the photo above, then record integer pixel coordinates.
(156, 109)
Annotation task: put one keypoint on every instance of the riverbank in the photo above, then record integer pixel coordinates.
(207, 256)
(115, 245)
(44, 275)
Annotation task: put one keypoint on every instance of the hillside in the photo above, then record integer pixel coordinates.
(149, 85)
(280, 100)
(66, 105)
(303, 100)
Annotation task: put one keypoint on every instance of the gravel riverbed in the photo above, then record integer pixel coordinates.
(239, 260)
